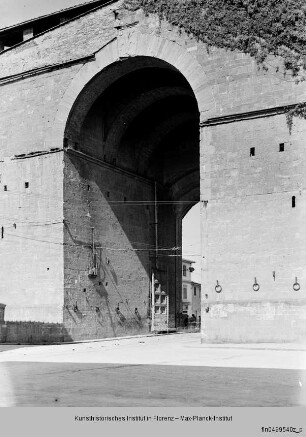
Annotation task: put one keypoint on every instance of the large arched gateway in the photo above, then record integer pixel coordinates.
(113, 125)
(131, 171)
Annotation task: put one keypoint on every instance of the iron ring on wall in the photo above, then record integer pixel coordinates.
(218, 288)
(256, 286)
(296, 286)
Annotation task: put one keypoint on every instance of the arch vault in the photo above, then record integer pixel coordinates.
(132, 143)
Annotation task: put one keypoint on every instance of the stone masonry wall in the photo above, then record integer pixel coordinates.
(115, 302)
(249, 226)
(253, 231)
(31, 238)
(27, 111)
(233, 78)
(33, 333)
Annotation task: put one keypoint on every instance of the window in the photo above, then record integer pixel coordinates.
(282, 147)
(293, 202)
(184, 270)
(194, 291)
(184, 292)
(252, 151)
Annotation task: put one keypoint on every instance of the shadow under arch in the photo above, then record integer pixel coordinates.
(131, 170)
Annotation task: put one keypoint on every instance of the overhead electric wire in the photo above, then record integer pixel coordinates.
(12, 222)
(16, 222)
(151, 246)
(125, 202)
(88, 245)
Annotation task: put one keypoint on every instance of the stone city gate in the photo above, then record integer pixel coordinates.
(112, 126)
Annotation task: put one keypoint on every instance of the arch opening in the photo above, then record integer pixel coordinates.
(191, 251)
(131, 173)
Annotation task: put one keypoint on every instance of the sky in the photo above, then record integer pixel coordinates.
(16, 11)
(192, 240)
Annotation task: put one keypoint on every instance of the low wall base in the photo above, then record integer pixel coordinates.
(33, 333)
(254, 322)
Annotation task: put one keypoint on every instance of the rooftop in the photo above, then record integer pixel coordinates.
(23, 19)
(16, 12)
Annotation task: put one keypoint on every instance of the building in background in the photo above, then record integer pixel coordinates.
(191, 291)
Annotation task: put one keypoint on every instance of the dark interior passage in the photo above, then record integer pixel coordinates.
(132, 172)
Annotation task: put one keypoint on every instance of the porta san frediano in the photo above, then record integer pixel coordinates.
(112, 126)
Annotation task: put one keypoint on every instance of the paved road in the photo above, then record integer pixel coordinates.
(165, 371)
(124, 385)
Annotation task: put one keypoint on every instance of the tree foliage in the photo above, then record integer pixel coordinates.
(257, 27)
